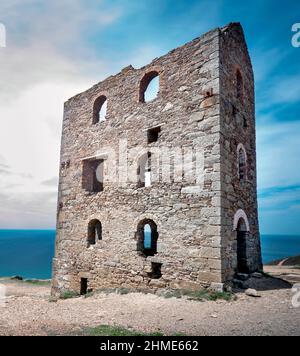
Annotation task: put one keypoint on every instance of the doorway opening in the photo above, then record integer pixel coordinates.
(242, 235)
(83, 286)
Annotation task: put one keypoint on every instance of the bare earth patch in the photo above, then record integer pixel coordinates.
(28, 311)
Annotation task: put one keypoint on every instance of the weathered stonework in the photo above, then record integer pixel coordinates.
(197, 108)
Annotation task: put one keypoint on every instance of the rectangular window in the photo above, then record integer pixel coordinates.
(153, 134)
(93, 175)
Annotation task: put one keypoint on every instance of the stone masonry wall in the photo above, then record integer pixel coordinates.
(237, 127)
(194, 220)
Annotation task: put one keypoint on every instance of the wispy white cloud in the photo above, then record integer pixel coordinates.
(286, 90)
(278, 89)
(59, 23)
(52, 182)
(52, 55)
(278, 154)
(279, 176)
(280, 198)
(265, 60)
(28, 210)
(47, 60)
(144, 55)
(280, 210)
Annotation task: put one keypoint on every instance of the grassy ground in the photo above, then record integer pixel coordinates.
(200, 295)
(69, 295)
(34, 282)
(106, 330)
(37, 282)
(28, 312)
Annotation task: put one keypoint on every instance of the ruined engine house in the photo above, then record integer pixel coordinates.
(161, 193)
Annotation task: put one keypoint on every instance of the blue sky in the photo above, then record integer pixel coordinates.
(59, 48)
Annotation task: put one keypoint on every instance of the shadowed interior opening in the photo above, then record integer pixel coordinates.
(94, 232)
(83, 286)
(156, 271)
(153, 134)
(242, 235)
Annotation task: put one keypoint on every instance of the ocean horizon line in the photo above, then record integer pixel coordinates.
(29, 252)
(21, 229)
(54, 229)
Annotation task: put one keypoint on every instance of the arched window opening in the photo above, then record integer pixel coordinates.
(100, 109)
(239, 85)
(144, 171)
(149, 87)
(242, 164)
(147, 237)
(94, 232)
(242, 235)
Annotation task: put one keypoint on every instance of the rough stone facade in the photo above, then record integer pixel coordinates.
(205, 104)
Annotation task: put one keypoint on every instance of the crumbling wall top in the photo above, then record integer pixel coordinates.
(202, 40)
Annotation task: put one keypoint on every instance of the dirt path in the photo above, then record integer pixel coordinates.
(288, 273)
(27, 311)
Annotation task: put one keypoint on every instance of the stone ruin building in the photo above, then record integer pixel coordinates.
(188, 231)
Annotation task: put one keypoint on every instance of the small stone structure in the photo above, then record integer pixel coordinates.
(129, 214)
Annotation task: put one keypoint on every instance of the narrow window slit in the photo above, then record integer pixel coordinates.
(144, 171)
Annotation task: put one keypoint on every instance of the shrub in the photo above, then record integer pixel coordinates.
(69, 295)
(38, 282)
(107, 330)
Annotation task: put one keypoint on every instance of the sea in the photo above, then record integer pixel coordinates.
(29, 253)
